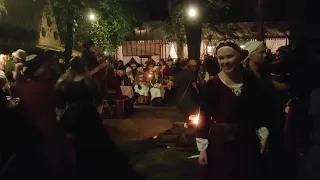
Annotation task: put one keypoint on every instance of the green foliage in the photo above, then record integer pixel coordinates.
(211, 13)
(174, 28)
(109, 29)
(2, 7)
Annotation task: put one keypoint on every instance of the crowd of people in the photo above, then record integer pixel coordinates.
(249, 101)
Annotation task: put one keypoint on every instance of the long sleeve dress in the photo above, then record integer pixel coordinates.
(156, 89)
(229, 119)
(141, 84)
(90, 139)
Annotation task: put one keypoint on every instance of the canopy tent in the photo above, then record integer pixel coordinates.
(246, 30)
(133, 63)
(173, 52)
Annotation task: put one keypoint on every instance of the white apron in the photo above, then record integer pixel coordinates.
(157, 91)
(144, 91)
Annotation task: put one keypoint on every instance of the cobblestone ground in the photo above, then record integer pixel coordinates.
(134, 136)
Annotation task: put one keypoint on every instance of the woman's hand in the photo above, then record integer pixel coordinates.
(203, 159)
(58, 113)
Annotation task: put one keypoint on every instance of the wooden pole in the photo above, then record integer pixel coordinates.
(260, 21)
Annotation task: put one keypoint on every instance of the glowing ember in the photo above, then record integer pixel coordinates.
(155, 137)
(194, 119)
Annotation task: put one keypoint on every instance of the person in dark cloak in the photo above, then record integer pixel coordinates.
(98, 157)
(21, 143)
(187, 90)
(123, 80)
(90, 54)
(212, 65)
(276, 158)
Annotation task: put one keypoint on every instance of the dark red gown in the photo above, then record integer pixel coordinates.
(38, 103)
(238, 158)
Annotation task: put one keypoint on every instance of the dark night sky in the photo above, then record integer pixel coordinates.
(241, 10)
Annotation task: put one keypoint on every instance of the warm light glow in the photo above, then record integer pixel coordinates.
(192, 12)
(150, 75)
(242, 46)
(194, 119)
(92, 17)
(1, 58)
(173, 53)
(209, 49)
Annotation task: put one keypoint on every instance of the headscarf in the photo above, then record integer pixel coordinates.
(140, 69)
(251, 46)
(128, 69)
(155, 68)
(32, 64)
(232, 44)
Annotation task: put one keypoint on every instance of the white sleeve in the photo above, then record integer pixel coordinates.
(202, 144)
(263, 133)
(207, 77)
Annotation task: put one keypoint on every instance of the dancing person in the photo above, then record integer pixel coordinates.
(187, 89)
(231, 132)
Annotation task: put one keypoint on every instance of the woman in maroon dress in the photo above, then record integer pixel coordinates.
(35, 87)
(231, 133)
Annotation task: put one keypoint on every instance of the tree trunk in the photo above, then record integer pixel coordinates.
(193, 33)
(260, 21)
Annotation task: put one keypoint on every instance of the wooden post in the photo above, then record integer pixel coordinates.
(260, 21)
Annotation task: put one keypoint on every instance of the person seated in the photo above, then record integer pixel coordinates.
(165, 69)
(123, 80)
(122, 77)
(141, 86)
(129, 74)
(113, 85)
(156, 87)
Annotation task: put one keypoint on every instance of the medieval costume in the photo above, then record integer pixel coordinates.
(141, 86)
(90, 54)
(157, 90)
(231, 132)
(123, 80)
(130, 74)
(187, 97)
(35, 88)
(92, 141)
(276, 168)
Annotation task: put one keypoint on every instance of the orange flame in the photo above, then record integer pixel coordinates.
(194, 119)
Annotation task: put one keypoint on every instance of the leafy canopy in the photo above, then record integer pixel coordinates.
(2, 7)
(108, 30)
(211, 13)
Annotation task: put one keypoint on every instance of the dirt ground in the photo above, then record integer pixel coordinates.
(134, 135)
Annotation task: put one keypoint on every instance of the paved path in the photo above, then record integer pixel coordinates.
(134, 136)
(146, 122)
